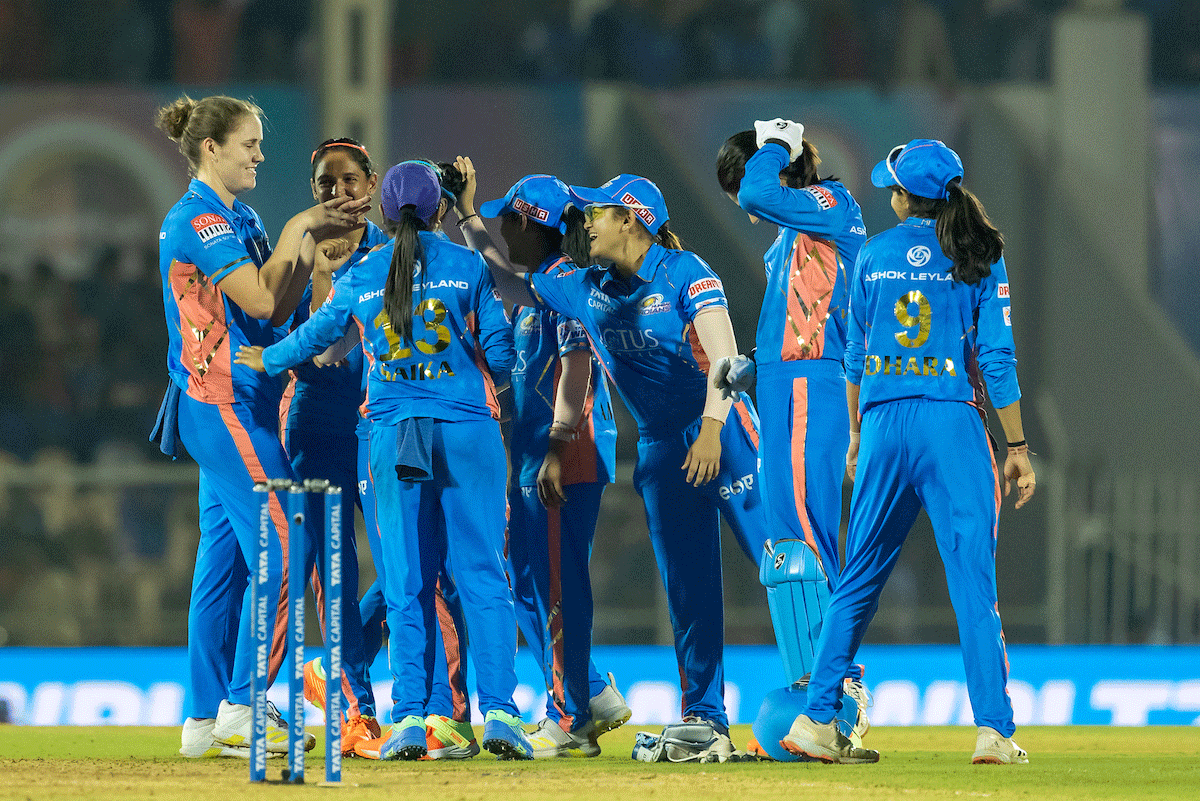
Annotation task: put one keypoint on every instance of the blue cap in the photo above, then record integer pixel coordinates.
(542, 198)
(411, 183)
(923, 167)
(630, 191)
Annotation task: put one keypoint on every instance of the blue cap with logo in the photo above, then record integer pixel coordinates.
(411, 183)
(923, 167)
(633, 192)
(542, 198)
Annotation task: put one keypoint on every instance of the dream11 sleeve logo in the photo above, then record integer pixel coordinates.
(918, 256)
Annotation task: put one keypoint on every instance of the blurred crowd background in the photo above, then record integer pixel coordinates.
(648, 42)
(85, 559)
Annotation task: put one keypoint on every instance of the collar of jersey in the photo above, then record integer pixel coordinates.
(209, 196)
(646, 273)
(920, 222)
(560, 260)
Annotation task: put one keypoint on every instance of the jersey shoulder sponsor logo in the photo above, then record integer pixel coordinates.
(209, 226)
(704, 285)
(825, 199)
(1002, 290)
(530, 210)
(654, 304)
(918, 255)
(646, 215)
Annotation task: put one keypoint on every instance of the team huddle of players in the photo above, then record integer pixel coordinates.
(397, 340)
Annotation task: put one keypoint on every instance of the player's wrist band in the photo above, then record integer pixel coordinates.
(464, 219)
(1018, 444)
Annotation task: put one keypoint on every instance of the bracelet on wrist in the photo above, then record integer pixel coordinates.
(464, 219)
(1018, 444)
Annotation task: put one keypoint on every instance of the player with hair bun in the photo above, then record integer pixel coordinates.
(771, 173)
(223, 287)
(930, 322)
(655, 319)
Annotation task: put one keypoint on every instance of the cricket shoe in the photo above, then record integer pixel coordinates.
(370, 749)
(449, 739)
(233, 726)
(823, 741)
(198, 742)
(608, 709)
(504, 737)
(407, 740)
(314, 683)
(358, 729)
(993, 748)
(549, 741)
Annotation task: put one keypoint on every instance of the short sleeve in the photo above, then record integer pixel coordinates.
(699, 287)
(571, 336)
(208, 241)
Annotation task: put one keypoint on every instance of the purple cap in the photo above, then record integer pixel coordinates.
(630, 191)
(411, 183)
(923, 167)
(542, 198)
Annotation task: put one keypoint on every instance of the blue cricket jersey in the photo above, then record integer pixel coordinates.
(641, 329)
(328, 392)
(914, 332)
(461, 336)
(541, 338)
(821, 231)
(202, 240)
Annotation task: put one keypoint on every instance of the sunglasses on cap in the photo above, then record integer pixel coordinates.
(891, 163)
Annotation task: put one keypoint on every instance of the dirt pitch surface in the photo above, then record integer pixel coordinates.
(917, 763)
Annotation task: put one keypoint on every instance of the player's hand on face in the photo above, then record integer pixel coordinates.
(703, 460)
(465, 204)
(337, 216)
(250, 356)
(550, 487)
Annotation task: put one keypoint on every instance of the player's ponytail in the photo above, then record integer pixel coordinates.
(668, 238)
(575, 242)
(966, 235)
(398, 291)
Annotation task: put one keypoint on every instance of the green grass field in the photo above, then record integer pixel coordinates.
(917, 763)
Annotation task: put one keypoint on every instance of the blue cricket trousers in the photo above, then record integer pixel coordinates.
(459, 514)
(934, 455)
(235, 445)
(805, 434)
(549, 551)
(320, 449)
(684, 524)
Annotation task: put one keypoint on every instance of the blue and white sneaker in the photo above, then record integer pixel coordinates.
(407, 740)
(504, 736)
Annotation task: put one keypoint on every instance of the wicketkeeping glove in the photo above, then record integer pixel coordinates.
(734, 374)
(785, 130)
